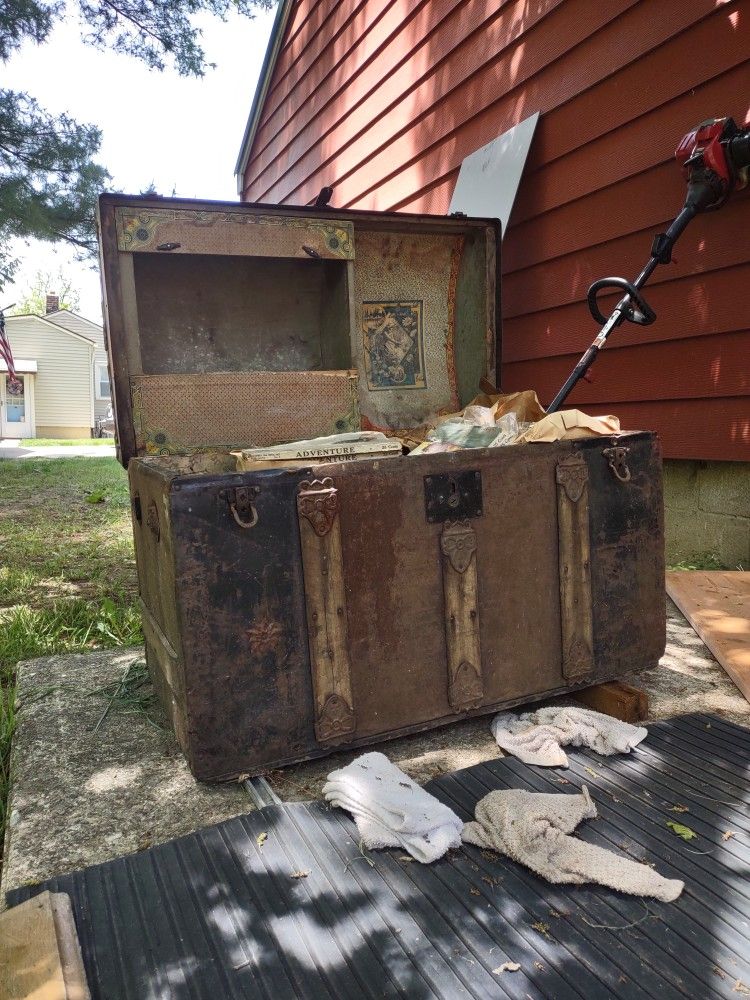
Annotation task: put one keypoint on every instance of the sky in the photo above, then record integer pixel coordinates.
(180, 134)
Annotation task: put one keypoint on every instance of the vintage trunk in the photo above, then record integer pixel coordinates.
(290, 612)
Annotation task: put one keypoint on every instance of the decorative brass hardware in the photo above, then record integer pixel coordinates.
(335, 720)
(318, 501)
(459, 543)
(572, 474)
(152, 520)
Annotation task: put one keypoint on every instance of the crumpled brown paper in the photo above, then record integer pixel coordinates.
(568, 425)
(525, 404)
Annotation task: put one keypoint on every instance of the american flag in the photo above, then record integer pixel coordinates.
(6, 354)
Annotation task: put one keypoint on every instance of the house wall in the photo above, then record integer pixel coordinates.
(384, 98)
(95, 332)
(62, 384)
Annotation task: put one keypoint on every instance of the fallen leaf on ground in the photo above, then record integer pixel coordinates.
(679, 809)
(261, 839)
(739, 987)
(301, 874)
(727, 835)
(592, 772)
(405, 857)
(682, 831)
(506, 967)
(542, 928)
(475, 892)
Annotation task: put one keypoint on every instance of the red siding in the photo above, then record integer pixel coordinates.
(384, 98)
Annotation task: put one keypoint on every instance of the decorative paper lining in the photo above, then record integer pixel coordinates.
(182, 414)
(234, 233)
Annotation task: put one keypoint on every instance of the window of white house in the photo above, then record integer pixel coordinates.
(102, 383)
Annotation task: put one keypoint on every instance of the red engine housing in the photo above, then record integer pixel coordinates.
(705, 162)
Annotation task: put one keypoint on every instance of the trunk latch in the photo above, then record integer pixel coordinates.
(617, 459)
(241, 504)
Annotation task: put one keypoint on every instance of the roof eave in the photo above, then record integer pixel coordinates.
(55, 326)
(264, 81)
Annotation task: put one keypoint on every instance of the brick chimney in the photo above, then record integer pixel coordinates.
(53, 302)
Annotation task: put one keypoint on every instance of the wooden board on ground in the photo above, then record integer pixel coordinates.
(39, 952)
(621, 701)
(717, 605)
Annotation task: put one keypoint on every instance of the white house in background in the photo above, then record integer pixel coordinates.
(61, 362)
(92, 331)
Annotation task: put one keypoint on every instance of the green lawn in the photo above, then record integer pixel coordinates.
(67, 569)
(57, 442)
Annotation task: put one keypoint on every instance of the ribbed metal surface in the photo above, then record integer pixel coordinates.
(219, 914)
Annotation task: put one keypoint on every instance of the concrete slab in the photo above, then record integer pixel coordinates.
(81, 797)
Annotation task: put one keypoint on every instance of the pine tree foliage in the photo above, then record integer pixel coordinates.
(49, 177)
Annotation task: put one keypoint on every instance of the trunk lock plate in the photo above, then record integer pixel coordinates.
(453, 497)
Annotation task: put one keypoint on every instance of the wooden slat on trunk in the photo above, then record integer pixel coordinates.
(575, 567)
(458, 544)
(325, 598)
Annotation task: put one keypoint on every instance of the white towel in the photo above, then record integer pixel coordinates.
(538, 737)
(533, 828)
(391, 810)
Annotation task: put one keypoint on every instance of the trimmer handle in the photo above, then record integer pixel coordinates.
(644, 315)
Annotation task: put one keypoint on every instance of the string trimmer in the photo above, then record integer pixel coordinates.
(715, 157)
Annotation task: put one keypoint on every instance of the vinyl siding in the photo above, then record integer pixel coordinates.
(86, 328)
(62, 384)
(384, 98)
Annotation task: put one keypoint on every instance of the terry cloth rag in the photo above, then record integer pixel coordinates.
(533, 828)
(538, 737)
(391, 810)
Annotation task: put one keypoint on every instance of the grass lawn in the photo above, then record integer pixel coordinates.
(67, 570)
(58, 442)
